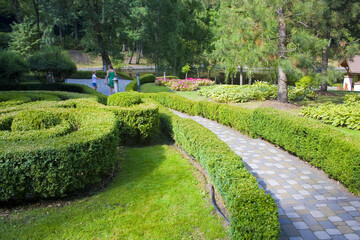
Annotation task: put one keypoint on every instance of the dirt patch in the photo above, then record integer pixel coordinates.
(279, 105)
(206, 183)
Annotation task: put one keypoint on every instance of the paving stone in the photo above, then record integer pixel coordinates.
(327, 224)
(322, 235)
(317, 214)
(300, 225)
(335, 219)
(332, 231)
(352, 236)
(316, 227)
(345, 229)
(307, 234)
(290, 230)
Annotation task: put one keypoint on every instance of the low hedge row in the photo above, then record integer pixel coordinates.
(99, 74)
(66, 87)
(253, 213)
(336, 153)
(125, 99)
(52, 148)
(147, 78)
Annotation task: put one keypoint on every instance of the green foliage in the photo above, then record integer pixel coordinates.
(185, 68)
(49, 148)
(305, 82)
(4, 40)
(351, 98)
(66, 87)
(258, 91)
(25, 37)
(125, 99)
(54, 61)
(253, 213)
(12, 67)
(336, 153)
(340, 115)
(34, 120)
(50, 159)
(147, 78)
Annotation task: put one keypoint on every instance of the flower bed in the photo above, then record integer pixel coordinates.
(188, 84)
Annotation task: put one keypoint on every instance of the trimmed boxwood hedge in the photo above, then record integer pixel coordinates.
(336, 153)
(66, 87)
(52, 148)
(49, 166)
(253, 213)
(147, 78)
(125, 99)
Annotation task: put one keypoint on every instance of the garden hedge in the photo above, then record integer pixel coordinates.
(336, 153)
(253, 213)
(49, 148)
(125, 99)
(66, 87)
(147, 78)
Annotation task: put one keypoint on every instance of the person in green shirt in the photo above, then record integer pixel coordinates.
(111, 74)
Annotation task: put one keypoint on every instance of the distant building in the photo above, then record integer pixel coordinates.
(352, 78)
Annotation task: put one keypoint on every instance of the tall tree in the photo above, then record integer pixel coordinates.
(274, 33)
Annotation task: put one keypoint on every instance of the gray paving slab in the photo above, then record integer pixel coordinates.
(311, 205)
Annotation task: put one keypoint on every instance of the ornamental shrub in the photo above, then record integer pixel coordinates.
(12, 67)
(53, 61)
(147, 78)
(4, 40)
(125, 99)
(351, 98)
(34, 120)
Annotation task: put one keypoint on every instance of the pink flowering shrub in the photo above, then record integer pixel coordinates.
(189, 84)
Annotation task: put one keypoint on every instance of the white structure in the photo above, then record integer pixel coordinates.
(352, 78)
(348, 82)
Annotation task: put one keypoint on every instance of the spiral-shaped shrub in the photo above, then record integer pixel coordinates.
(48, 149)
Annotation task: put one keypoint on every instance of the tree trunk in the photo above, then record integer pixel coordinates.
(76, 30)
(282, 79)
(241, 76)
(138, 54)
(131, 56)
(37, 14)
(250, 78)
(60, 35)
(324, 66)
(123, 47)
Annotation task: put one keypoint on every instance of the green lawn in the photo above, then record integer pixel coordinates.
(154, 196)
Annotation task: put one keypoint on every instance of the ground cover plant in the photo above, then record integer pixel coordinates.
(258, 91)
(154, 195)
(342, 115)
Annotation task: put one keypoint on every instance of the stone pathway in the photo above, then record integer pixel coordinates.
(104, 89)
(311, 206)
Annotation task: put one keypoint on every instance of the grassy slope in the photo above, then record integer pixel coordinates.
(154, 196)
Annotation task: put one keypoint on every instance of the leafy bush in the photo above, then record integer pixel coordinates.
(343, 115)
(53, 61)
(351, 98)
(147, 78)
(189, 84)
(336, 153)
(125, 99)
(12, 67)
(258, 91)
(4, 40)
(34, 120)
(253, 213)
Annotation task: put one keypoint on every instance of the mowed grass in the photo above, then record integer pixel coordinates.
(154, 196)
